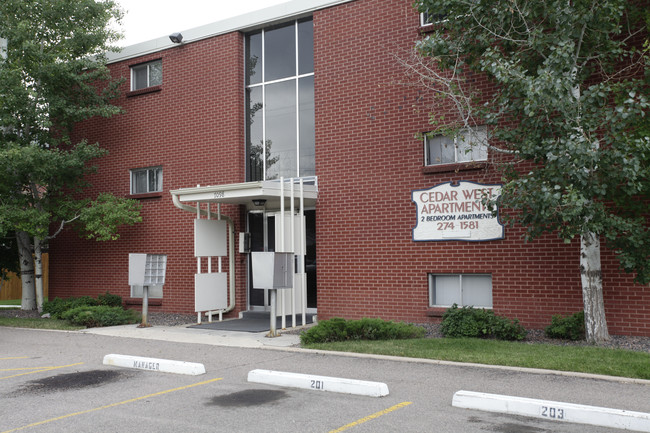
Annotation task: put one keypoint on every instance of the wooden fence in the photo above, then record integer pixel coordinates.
(12, 289)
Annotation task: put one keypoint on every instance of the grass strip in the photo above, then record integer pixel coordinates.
(583, 359)
(15, 302)
(37, 323)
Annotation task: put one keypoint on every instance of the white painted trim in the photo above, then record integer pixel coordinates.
(154, 364)
(252, 20)
(319, 383)
(553, 410)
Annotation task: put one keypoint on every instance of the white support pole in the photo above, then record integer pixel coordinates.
(145, 307)
(282, 248)
(209, 263)
(293, 248)
(303, 246)
(273, 331)
(209, 258)
(219, 218)
(198, 259)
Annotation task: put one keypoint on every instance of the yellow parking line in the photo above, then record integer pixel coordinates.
(25, 368)
(41, 369)
(371, 417)
(108, 406)
(14, 357)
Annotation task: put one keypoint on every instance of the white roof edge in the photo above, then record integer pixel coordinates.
(250, 20)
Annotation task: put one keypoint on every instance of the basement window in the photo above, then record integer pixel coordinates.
(461, 289)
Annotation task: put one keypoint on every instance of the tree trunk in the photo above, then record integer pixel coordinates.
(592, 289)
(26, 259)
(38, 268)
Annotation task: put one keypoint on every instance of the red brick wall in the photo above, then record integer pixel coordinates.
(194, 129)
(367, 161)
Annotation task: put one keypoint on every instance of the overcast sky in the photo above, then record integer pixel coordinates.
(149, 19)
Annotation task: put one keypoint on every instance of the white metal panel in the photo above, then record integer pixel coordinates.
(137, 265)
(272, 270)
(298, 295)
(137, 291)
(210, 238)
(262, 263)
(299, 246)
(283, 271)
(210, 291)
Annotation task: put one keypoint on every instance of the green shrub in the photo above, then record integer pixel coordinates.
(567, 328)
(325, 332)
(338, 329)
(479, 323)
(58, 306)
(506, 329)
(99, 315)
(110, 300)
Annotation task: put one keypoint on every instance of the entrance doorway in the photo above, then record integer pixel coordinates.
(261, 226)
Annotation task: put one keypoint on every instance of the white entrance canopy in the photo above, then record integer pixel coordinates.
(244, 193)
(284, 194)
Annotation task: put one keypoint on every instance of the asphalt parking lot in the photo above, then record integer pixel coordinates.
(56, 381)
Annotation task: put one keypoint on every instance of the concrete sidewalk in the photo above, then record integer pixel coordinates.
(184, 334)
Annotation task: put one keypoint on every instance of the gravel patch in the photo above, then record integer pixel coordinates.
(639, 344)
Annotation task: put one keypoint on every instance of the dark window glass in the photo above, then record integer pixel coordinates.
(280, 53)
(281, 129)
(307, 126)
(305, 47)
(139, 182)
(254, 133)
(140, 77)
(254, 58)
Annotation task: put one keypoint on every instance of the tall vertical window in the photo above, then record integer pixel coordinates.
(146, 180)
(280, 126)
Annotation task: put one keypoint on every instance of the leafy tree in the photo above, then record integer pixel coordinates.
(567, 112)
(53, 74)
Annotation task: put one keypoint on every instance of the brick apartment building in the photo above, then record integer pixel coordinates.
(304, 106)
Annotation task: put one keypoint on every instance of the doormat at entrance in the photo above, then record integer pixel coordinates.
(252, 322)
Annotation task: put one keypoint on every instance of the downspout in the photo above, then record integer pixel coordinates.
(231, 247)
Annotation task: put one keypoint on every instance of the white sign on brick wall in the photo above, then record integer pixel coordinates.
(449, 212)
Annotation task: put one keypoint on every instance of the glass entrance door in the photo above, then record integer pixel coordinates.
(261, 227)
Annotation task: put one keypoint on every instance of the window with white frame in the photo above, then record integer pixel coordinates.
(427, 18)
(146, 75)
(3, 49)
(468, 145)
(146, 180)
(461, 289)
